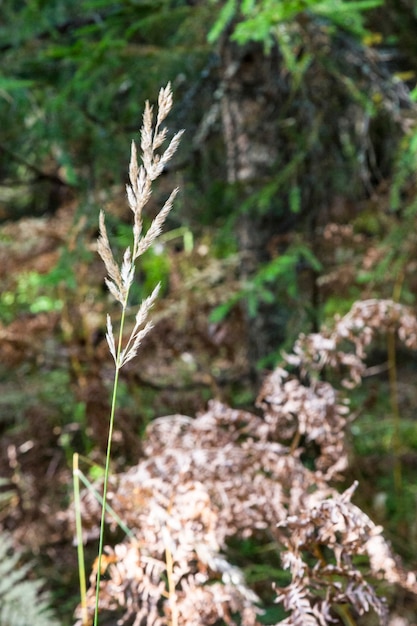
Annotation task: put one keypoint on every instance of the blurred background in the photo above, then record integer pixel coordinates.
(298, 197)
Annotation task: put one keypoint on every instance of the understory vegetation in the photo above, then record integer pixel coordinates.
(238, 444)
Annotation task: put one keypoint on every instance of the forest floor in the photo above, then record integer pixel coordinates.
(56, 374)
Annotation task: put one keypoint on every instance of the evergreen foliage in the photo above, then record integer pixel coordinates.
(269, 20)
(72, 78)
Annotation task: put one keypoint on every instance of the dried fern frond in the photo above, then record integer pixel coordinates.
(343, 348)
(316, 413)
(225, 473)
(322, 543)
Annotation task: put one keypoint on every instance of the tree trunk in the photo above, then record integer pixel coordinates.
(308, 134)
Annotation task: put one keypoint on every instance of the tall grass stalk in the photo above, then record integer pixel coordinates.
(121, 276)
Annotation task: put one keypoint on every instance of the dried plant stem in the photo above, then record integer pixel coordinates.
(346, 615)
(295, 442)
(171, 586)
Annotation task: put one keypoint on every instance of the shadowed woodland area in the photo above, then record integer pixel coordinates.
(264, 451)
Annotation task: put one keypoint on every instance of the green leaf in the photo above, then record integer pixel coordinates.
(227, 13)
(10, 84)
(262, 18)
(295, 199)
(221, 311)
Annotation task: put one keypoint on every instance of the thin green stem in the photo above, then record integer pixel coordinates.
(346, 615)
(107, 468)
(109, 509)
(80, 549)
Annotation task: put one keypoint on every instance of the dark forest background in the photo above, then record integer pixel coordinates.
(298, 197)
